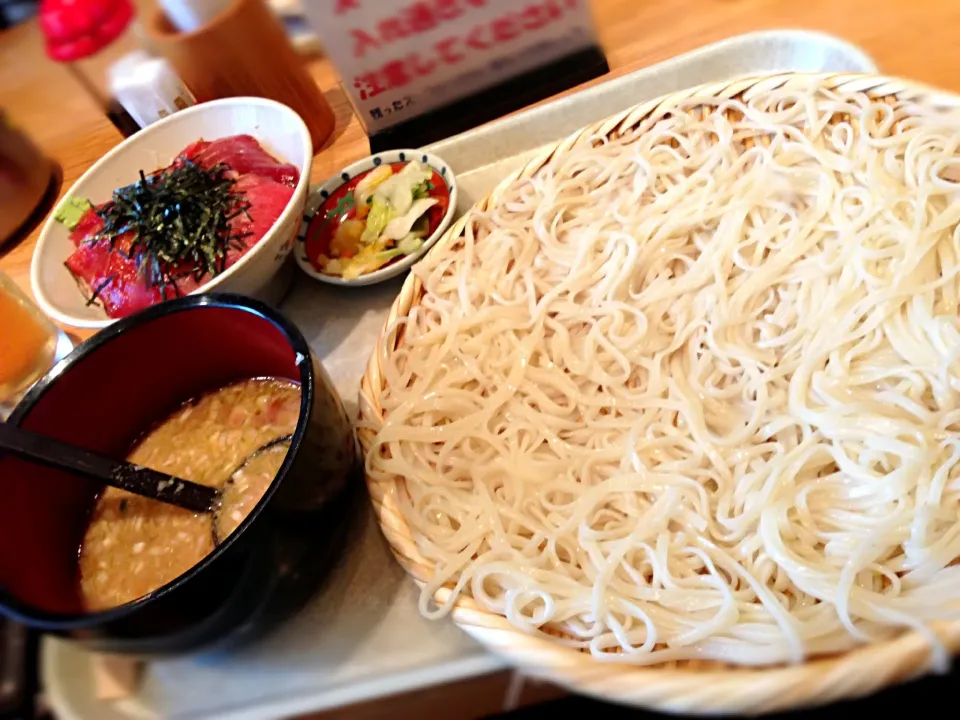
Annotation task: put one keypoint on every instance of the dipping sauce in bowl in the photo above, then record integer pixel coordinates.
(135, 545)
(220, 389)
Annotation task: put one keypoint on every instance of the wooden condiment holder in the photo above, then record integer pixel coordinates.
(243, 51)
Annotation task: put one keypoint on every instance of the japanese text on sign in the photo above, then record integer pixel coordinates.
(399, 59)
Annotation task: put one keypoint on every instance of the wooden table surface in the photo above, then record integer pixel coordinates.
(910, 38)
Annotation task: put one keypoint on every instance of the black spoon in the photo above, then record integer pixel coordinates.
(110, 471)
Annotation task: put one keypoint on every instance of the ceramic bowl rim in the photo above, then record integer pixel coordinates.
(50, 226)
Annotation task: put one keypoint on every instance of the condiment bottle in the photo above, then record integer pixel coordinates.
(148, 88)
(87, 36)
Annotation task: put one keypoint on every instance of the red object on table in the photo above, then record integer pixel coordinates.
(75, 29)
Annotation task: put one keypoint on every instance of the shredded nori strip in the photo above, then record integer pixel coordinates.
(180, 220)
(99, 289)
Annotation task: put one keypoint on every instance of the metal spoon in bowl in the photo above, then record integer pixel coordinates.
(120, 474)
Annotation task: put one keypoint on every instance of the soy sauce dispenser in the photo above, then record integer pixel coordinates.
(99, 44)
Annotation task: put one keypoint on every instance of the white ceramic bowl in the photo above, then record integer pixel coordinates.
(319, 194)
(278, 128)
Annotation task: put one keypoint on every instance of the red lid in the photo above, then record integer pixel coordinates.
(75, 29)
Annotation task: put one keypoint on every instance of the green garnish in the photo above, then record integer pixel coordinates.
(422, 190)
(180, 219)
(71, 211)
(344, 205)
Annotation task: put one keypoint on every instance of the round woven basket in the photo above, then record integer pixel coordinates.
(684, 687)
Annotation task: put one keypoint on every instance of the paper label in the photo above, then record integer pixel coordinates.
(399, 59)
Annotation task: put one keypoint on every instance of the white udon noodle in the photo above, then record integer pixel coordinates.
(693, 392)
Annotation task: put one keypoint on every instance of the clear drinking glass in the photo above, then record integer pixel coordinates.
(30, 344)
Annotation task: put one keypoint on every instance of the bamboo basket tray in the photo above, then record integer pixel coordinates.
(678, 687)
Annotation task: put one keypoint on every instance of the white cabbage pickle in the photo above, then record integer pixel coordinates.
(388, 221)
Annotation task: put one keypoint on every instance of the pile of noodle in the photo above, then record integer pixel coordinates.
(694, 392)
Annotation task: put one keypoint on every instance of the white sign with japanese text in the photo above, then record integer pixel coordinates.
(398, 58)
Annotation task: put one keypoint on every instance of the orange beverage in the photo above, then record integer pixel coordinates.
(28, 343)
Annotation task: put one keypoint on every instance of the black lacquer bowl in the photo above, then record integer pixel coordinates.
(103, 396)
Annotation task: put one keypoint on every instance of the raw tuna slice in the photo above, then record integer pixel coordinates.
(123, 289)
(244, 155)
(267, 201)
